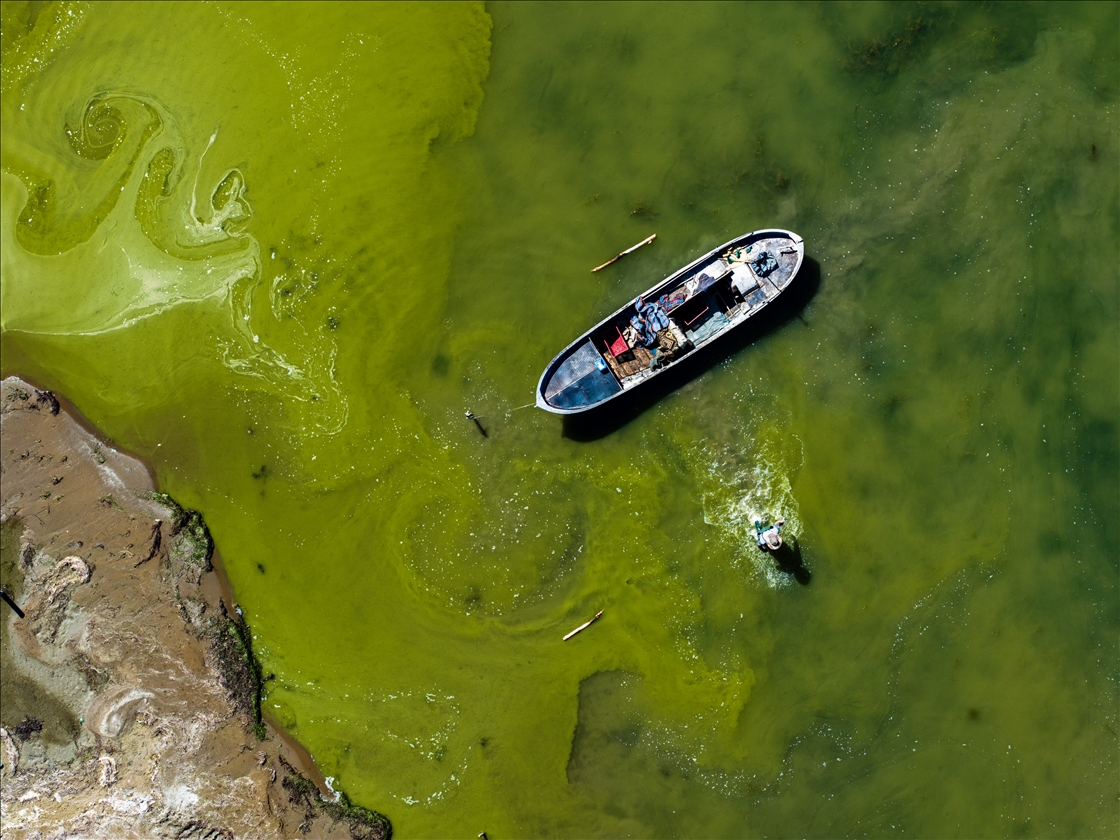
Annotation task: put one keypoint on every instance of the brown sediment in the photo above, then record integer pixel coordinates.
(298, 755)
(132, 697)
(70, 410)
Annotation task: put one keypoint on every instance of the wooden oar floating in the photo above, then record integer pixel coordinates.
(613, 260)
(583, 627)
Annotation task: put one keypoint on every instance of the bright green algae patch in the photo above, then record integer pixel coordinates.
(281, 249)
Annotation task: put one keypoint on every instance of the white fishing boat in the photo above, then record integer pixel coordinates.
(691, 308)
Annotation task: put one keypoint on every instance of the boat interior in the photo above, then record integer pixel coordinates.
(693, 307)
(686, 311)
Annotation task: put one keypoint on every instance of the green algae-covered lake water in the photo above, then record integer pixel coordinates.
(279, 250)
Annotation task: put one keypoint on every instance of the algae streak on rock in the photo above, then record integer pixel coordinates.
(130, 694)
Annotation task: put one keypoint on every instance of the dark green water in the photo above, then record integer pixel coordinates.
(280, 250)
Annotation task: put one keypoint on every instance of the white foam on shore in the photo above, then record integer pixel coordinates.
(180, 797)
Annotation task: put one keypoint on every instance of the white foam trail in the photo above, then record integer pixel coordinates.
(751, 485)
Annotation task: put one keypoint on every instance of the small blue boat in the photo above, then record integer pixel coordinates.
(686, 311)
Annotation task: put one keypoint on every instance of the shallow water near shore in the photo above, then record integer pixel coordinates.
(279, 251)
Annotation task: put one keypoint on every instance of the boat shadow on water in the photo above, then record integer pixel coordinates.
(600, 422)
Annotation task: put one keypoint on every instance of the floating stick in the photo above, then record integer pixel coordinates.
(583, 627)
(624, 253)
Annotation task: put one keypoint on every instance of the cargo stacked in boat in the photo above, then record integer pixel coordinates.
(684, 312)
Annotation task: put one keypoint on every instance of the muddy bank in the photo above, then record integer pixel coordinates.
(130, 695)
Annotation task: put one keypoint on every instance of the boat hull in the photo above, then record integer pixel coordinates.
(657, 330)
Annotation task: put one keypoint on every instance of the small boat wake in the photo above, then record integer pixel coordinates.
(750, 487)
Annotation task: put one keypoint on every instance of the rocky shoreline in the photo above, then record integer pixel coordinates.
(131, 696)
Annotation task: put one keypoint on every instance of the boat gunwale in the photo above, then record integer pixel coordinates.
(562, 356)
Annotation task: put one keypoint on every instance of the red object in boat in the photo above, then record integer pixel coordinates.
(619, 346)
